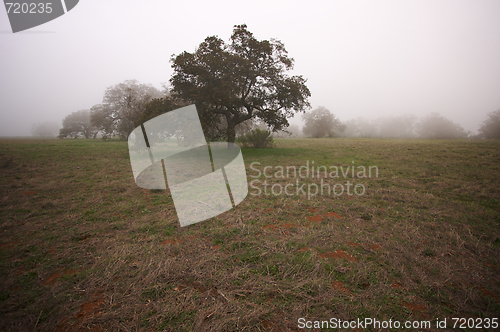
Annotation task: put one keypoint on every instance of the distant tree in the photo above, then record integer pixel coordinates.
(436, 126)
(384, 127)
(239, 81)
(350, 128)
(321, 123)
(45, 129)
(396, 126)
(361, 127)
(366, 128)
(76, 124)
(122, 105)
(490, 128)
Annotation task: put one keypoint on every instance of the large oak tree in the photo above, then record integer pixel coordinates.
(244, 79)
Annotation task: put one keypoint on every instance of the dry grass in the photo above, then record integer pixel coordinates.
(83, 248)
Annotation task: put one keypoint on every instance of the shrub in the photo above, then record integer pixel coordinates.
(257, 138)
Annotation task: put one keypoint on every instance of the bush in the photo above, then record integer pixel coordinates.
(257, 139)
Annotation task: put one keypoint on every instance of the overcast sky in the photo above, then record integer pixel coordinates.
(361, 58)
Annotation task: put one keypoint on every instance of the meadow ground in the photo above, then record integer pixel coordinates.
(84, 249)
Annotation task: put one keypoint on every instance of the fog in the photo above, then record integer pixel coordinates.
(369, 59)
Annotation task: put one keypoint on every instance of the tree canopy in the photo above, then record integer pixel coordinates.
(76, 124)
(238, 81)
(122, 105)
(321, 122)
(437, 126)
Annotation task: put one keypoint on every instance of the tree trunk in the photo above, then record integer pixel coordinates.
(231, 135)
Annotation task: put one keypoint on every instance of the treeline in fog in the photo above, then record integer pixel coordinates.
(322, 123)
(241, 86)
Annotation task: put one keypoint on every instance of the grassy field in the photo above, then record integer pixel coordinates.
(84, 249)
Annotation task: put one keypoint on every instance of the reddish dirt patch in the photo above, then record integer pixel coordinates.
(396, 285)
(216, 247)
(270, 226)
(52, 279)
(339, 285)
(352, 244)
(333, 214)
(91, 308)
(30, 192)
(8, 245)
(413, 306)
(268, 210)
(312, 209)
(338, 254)
(304, 249)
(315, 218)
(62, 326)
(375, 246)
